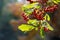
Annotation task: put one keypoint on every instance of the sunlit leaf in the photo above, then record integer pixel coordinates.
(33, 22)
(30, 5)
(56, 1)
(42, 34)
(49, 27)
(28, 9)
(46, 24)
(47, 17)
(25, 27)
(36, 28)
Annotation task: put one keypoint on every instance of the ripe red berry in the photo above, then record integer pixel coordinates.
(50, 8)
(38, 15)
(46, 29)
(26, 18)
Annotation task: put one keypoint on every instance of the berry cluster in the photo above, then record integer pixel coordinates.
(26, 18)
(51, 8)
(38, 15)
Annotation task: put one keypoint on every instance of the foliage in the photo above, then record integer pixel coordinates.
(25, 27)
(40, 17)
(56, 1)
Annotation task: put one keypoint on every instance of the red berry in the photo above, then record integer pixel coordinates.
(38, 15)
(46, 29)
(25, 17)
(42, 1)
(51, 8)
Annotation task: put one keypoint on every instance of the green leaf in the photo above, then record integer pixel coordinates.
(36, 28)
(46, 24)
(25, 27)
(28, 9)
(29, 5)
(42, 33)
(56, 1)
(33, 22)
(47, 17)
(49, 27)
